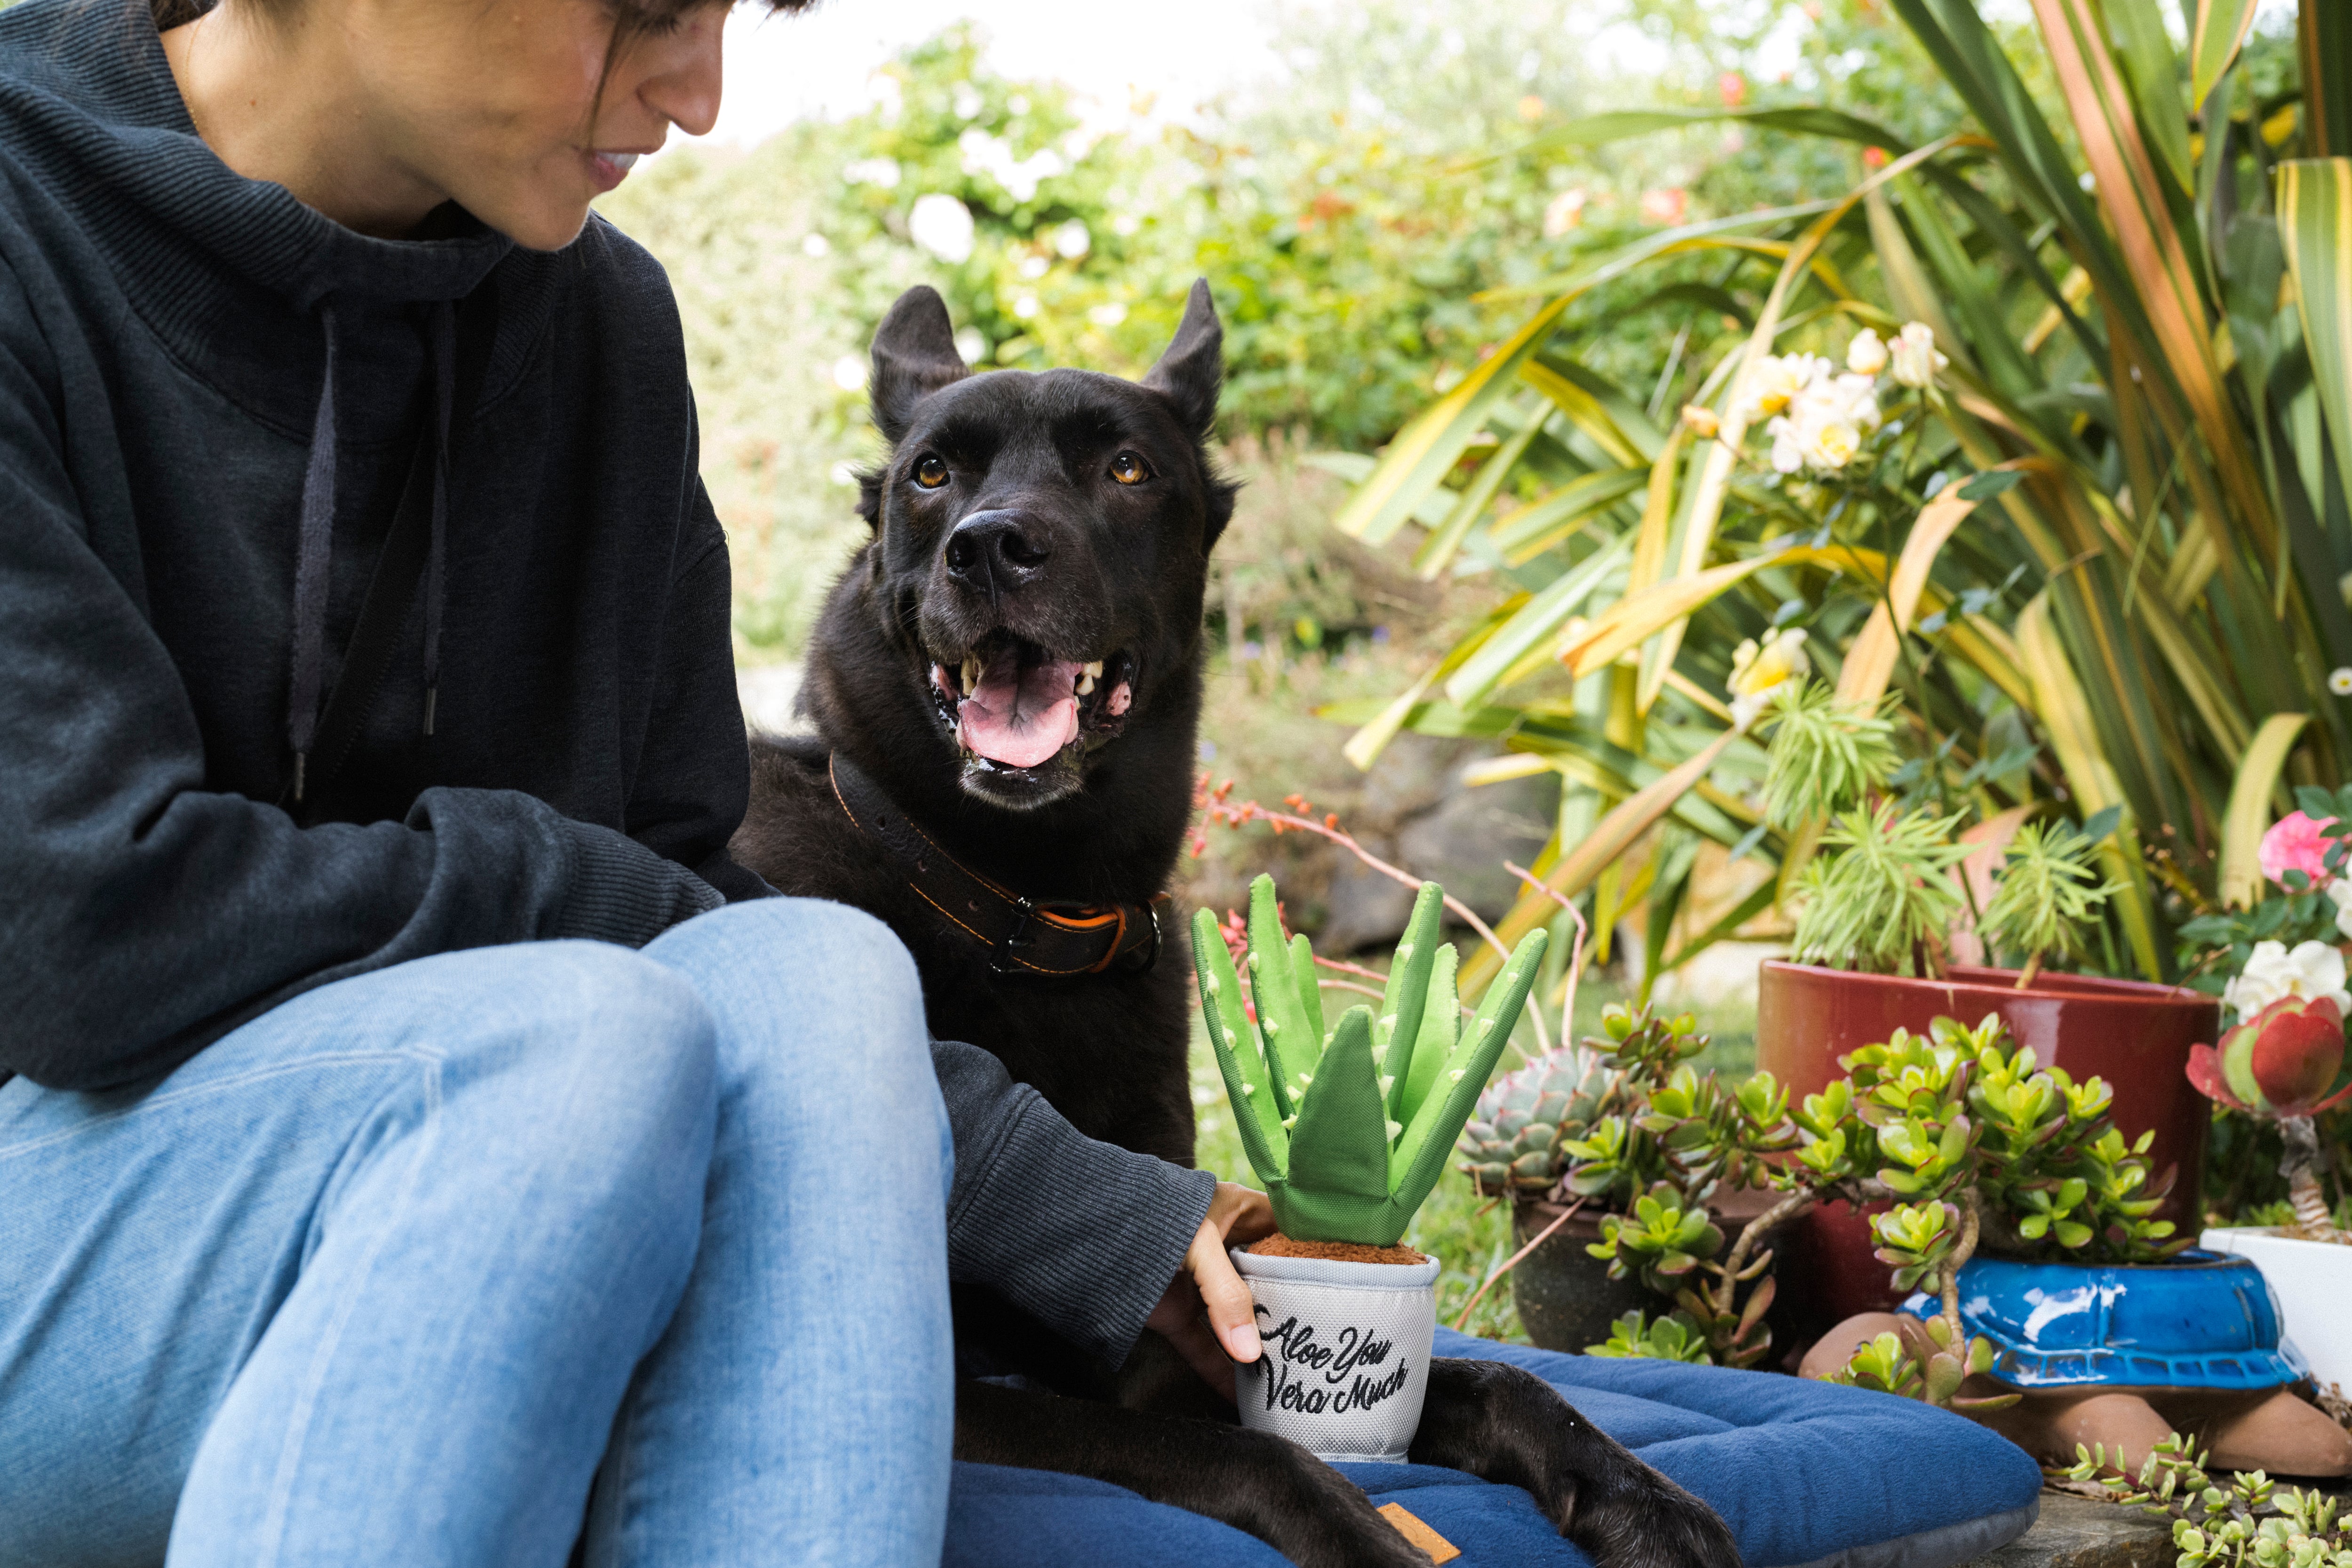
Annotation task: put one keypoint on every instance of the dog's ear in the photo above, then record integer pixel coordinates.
(1189, 373)
(914, 356)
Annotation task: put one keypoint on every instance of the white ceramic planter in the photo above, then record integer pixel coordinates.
(1347, 1354)
(2312, 1281)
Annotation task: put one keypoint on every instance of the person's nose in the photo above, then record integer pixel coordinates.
(684, 88)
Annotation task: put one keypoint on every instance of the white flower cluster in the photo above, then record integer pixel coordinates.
(2312, 970)
(1759, 671)
(1818, 416)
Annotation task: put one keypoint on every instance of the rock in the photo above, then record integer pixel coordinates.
(1419, 814)
(1466, 840)
(2081, 1533)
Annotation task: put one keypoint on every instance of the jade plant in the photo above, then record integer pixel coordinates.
(1971, 1140)
(1642, 1137)
(1348, 1127)
(1886, 887)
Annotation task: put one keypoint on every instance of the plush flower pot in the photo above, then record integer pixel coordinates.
(2313, 1282)
(1346, 1363)
(2135, 1036)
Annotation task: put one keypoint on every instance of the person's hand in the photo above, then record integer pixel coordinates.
(1209, 1287)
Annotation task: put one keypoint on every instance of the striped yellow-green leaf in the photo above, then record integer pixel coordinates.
(1870, 661)
(1365, 746)
(1535, 622)
(2065, 714)
(2249, 813)
(1577, 868)
(1637, 616)
(1436, 552)
(2213, 43)
(2315, 212)
(1425, 450)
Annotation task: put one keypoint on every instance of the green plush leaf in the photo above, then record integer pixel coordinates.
(1420, 1154)
(1407, 997)
(1434, 1042)
(1258, 1110)
(1310, 991)
(1293, 1040)
(1340, 1143)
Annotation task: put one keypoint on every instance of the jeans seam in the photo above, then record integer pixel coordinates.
(281, 1493)
(431, 1058)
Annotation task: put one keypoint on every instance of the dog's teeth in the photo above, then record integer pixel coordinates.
(1094, 671)
(1086, 685)
(971, 673)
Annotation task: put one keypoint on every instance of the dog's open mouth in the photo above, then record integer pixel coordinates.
(1014, 704)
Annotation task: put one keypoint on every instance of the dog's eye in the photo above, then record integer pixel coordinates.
(930, 471)
(1130, 469)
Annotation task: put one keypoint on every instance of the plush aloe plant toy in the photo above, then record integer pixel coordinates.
(1349, 1129)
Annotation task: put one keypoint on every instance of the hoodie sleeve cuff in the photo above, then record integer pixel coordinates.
(1082, 1235)
(623, 892)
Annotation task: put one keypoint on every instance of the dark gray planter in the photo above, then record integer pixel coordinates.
(1565, 1296)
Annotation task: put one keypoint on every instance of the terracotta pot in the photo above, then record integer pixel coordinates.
(2134, 1035)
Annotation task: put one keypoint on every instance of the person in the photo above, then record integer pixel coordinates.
(420, 1142)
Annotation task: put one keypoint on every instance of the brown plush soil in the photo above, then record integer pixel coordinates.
(1280, 1246)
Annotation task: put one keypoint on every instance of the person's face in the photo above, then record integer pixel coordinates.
(496, 103)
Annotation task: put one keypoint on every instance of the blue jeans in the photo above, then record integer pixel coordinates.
(390, 1274)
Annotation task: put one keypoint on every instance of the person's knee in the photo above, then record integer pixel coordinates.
(818, 1004)
(595, 1050)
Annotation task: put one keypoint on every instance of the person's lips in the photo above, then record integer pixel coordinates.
(610, 168)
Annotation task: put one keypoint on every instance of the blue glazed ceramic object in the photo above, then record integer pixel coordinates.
(2204, 1320)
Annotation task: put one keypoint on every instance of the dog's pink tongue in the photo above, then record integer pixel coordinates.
(1020, 717)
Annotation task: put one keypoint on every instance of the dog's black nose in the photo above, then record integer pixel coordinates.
(1006, 548)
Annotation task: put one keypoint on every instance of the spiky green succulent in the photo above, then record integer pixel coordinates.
(1515, 1141)
(1349, 1128)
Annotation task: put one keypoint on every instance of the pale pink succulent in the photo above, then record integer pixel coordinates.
(2296, 843)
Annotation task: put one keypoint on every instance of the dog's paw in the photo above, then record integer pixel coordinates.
(1648, 1521)
(1508, 1424)
(1319, 1518)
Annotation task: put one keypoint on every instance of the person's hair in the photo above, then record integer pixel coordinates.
(631, 18)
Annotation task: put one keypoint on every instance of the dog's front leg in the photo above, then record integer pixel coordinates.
(1254, 1481)
(1505, 1423)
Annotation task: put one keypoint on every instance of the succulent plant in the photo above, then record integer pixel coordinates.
(1349, 1129)
(1515, 1142)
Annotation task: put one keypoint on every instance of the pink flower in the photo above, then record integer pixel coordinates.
(2296, 843)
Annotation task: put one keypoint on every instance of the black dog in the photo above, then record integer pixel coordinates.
(1006, 684)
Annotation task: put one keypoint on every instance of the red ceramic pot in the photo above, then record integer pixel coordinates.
(2136, 1035)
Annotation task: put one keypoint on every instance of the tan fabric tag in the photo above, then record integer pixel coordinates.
(1440, 1550)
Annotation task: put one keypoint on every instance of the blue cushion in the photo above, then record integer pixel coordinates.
(1804, 1473)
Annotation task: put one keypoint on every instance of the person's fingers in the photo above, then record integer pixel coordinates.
(1231, 1310)
(1241, 1213)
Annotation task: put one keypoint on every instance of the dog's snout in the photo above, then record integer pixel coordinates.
(1006, 548)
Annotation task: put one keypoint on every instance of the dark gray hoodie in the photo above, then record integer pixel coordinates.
(190, 505)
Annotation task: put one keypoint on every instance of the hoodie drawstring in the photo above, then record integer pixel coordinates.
(316, 541)
(444, 391)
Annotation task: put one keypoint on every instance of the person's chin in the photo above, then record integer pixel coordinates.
(542, 224)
